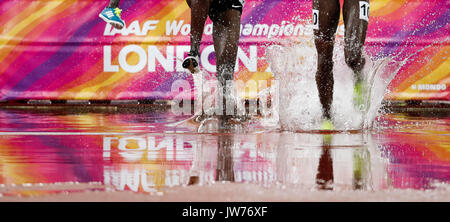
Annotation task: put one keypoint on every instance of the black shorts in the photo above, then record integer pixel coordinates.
(219, 6)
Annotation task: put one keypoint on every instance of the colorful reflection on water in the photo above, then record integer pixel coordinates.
(43, 154)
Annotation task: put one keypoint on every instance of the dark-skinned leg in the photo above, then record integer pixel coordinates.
(324, 40)
(325, 176)
(356, 22)
(226, 30)
(355, 36)
(199, 14)
(114, 4)
(224, 168)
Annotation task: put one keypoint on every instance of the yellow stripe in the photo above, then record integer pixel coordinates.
(426, 68)
(375, 5)
(87, 93)
(24, 12)
(257, 76)
(19, 27)
(5, 50)
(385, 7)
(438, 74)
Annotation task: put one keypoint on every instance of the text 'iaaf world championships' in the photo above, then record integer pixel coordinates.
(180, 27)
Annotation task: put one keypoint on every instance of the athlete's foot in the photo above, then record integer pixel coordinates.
(191, 62)
(327, 124)
(202, 117)
(193, 180)
(112, 16)
(229, 122)
(240, 118)
(199, 118)
(359, 92)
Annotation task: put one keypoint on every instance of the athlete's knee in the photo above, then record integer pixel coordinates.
(325, 83)
(324, 45)
(354, 59)
(325, 65)
(326, 36)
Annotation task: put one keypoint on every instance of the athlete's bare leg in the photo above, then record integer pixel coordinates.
(355, 36)
(325, 176)
(226, 40)
(225, 168)
(226, 30)
(114, 4)
(329, 11)
(199, 14)
(356, 16)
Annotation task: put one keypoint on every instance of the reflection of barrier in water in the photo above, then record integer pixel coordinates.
(294, 65)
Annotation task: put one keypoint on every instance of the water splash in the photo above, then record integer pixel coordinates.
(294, 66)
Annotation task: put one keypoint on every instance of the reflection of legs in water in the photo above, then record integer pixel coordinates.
(204, 156)
(361, 168)
(193, 180)
(325, 177)
(224, 169)
(197, 162)
(355, 34)
(205, 152)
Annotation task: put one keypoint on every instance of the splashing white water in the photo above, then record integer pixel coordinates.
(294, 66)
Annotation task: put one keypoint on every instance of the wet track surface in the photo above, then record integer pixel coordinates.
(112, 153)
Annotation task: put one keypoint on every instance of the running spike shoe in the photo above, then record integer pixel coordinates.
(327, 125)
(112, 16)
(191, 62)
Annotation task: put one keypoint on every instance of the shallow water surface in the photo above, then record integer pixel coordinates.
(43, 153)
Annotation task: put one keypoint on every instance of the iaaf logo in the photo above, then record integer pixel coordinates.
(137, 148)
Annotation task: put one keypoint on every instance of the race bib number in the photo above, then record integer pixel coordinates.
(364, 11)
(315, 18)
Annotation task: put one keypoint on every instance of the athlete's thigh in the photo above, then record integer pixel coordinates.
(220, 9)
(356, 19)
(325, 17)
(196, 2)
(226, 30)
